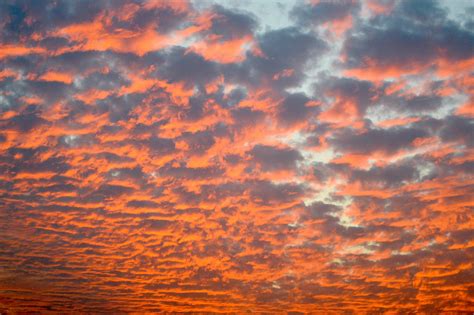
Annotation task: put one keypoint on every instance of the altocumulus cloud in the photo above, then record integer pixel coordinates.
(175, 156)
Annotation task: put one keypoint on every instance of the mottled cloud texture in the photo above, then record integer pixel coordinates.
(172, 156)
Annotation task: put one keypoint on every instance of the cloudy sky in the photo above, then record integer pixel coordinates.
(236, 156)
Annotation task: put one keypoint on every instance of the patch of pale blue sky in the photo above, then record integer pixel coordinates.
(270, 14)
(457, 8)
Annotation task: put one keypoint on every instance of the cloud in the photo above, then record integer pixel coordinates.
(280, 60)
(384, 140)
(294, 109)
(273, 158)
(175, 156)
(415, 37)
(188, 67)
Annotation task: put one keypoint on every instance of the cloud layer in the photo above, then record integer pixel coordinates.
(166, 156)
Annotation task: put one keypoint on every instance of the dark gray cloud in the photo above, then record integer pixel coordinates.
(319, 210)
(294, 109)
(416, 33)
(457, 128)
(190, 173)
(27, 120)
(199, 142)
(246, 116)
(288, 49)
(384, 140)
(358, 92)
(104, 81)
(273, 158)
(393, 175)
(267, 194)
(188, 67)
(162, 18)
(231, 24)
(413, 103)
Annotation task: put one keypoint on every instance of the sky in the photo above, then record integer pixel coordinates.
(237, 156)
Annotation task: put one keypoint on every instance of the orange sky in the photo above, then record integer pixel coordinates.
(216, 157)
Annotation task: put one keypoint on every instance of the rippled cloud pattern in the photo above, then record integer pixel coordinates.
(253, 156)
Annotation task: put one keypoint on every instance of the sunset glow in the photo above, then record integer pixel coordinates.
(248, 156)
